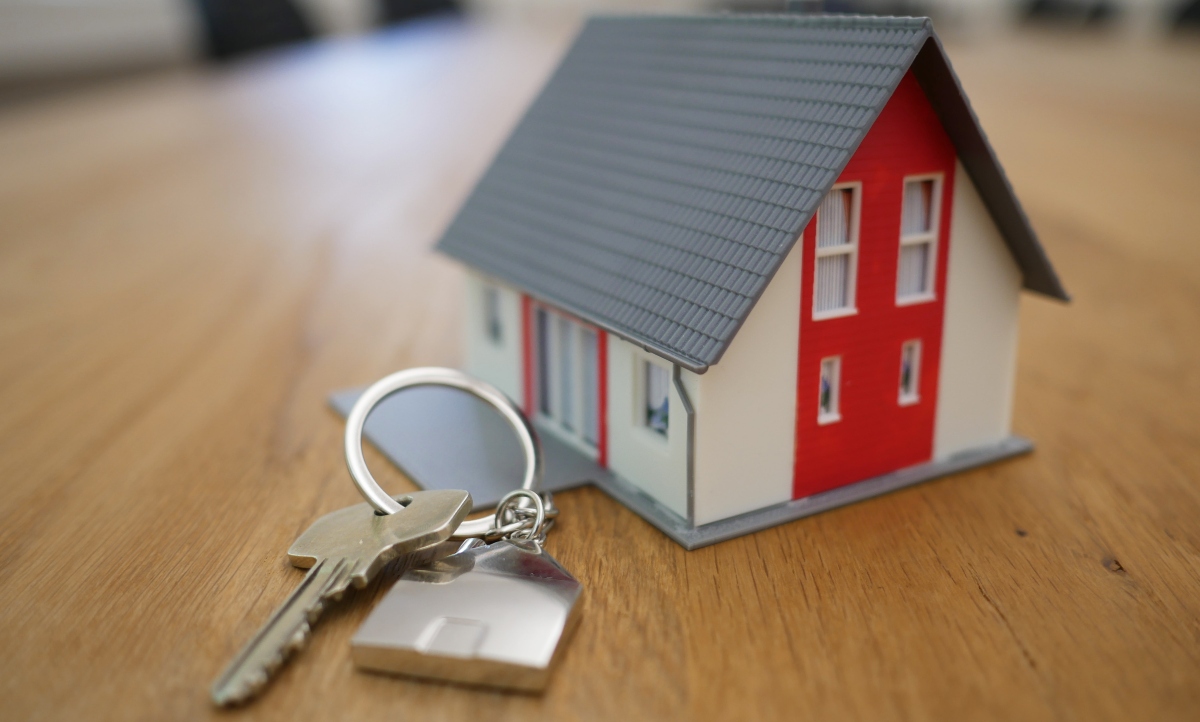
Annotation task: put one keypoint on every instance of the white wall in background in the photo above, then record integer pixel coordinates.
(339, 17)
(952, 17)
(54, 37)
(553, 10)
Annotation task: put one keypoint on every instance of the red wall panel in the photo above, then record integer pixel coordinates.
(876, 434)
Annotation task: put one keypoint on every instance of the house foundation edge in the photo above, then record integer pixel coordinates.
(694, 537)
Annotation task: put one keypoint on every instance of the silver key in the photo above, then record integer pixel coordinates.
(346, 547)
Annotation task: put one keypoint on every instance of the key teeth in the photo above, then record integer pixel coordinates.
(299, 640)
(254, 682)
(249, 688)
(312, 615)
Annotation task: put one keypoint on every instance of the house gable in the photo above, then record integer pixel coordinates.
(877, 431)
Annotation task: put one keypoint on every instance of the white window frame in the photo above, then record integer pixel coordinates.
(642, 365)
(572, 430)
(851, 249)
(835, 413)
(908, 397)
(930, 237)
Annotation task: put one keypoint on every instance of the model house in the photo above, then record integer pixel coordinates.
(752, 267)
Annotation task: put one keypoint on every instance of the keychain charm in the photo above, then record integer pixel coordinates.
(492, 614)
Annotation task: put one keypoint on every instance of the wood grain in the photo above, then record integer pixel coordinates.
(189, 264)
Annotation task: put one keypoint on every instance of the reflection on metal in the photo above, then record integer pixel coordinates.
(491, 615)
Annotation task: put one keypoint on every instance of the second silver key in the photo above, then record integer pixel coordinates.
(345, 547)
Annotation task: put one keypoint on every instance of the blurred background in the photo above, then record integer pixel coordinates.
(52, 46)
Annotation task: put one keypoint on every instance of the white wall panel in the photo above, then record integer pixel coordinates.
(979, 340)
(746, 408)
(497, 363)
(656, 465)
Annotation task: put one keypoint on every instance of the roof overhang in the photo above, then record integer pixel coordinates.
(937, 78)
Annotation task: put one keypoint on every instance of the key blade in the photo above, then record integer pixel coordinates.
(285, 632)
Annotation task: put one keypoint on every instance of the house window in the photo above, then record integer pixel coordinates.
(590, 376)
(545, 351)
(918, 240)
(567, 373)
(910, 372)
(837, 253)
(656, 382)
(491, 315)
(568, 376)
(829, 391)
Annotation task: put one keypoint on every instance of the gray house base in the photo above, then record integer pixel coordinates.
(444, 439)
(689, 537)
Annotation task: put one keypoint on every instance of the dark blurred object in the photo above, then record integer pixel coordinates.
(1185, 16)
(1077, 13)
(238, 27)
(398, 11)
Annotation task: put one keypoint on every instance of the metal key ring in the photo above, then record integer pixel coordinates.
(432, 376)
(511, 500)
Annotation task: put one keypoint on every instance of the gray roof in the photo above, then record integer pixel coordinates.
(669, 165)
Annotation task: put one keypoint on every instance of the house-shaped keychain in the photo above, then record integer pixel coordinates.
(740, 269)
(490, 615)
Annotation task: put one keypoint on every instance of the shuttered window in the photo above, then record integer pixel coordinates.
(837, 251)
(565, 340)
(918, 239)
(568, 376)
(591, 386)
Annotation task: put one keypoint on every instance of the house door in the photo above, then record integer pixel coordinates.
(568, 384)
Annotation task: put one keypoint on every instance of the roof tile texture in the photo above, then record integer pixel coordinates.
(670, 163)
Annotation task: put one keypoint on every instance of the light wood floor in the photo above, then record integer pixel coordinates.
(188, 265)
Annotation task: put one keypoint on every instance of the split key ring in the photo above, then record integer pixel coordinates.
(432, 376)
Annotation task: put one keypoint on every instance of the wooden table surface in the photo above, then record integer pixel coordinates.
(189, 264)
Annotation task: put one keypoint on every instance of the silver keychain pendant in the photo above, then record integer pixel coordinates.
(492, 614)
